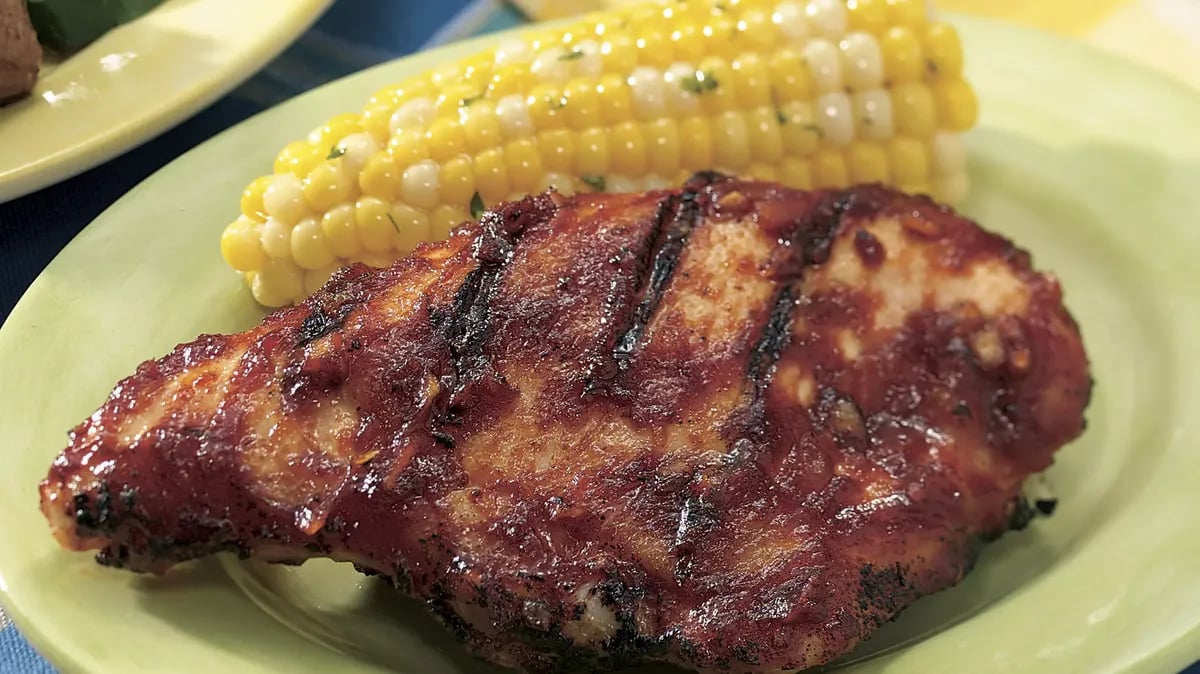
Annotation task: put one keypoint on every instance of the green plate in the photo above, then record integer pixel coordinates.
(1090, 162)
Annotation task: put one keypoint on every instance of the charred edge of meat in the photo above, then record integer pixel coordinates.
(344, 294)
(674, 239)
(647, 248)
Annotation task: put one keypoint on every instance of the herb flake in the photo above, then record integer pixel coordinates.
(395, 225)
(336, 151)
(699, 82)
(594, 181)
(469, 100)
(815, 129)
(477, 207)
(781, 116)
(572, 55)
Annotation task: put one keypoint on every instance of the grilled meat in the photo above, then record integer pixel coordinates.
(733, 426)
(20, 53)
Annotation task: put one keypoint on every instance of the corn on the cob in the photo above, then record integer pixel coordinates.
(822, 93)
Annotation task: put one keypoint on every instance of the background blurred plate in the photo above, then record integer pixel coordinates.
(1086, 160)
(137, 81)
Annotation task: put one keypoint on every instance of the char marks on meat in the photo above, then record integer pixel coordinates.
(730, 426)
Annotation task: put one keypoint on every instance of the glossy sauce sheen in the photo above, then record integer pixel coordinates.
(731, 426)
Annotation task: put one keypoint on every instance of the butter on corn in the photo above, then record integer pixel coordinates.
(823, 93)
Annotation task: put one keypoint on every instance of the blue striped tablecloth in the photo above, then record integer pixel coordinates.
(352, 35)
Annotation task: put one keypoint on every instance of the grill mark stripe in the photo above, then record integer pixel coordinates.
(467, 325)
(673, 241)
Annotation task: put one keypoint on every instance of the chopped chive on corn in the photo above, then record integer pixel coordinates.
(812, 94)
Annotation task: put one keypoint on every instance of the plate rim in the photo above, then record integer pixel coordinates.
(1172, 650)
(63, 161)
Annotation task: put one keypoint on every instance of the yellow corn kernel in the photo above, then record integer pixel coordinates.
(414, 87)
(662, 146)
(688, 42)
(252, 199)
(867, 162)
(581, 104)
(445, 218)
(957, 108)
(764, 172)
(616, 103)
(618, 54)
(446, 75)
(591, 152)
(913, 109)
(654, 48)
(627, 149)
(829, 170)
(765, 137)
(480, 126)
(446, 139)
(902, 58)
(377, 120)
(790, 79)
(456, 180)
(731, 142)
(908, 159)
(722, 32)
(491, 175)
(337, 128)
(868, 15)
(412, 227)
(376, 230)
(241, 244)
(477, 71)
(799, 129)
(558, 149)
(408, 148)
(524, 164)
(514, 78)
(341, 231)
(381, 176)
(454, 97)
(723, 96)
(755, 30)
(943, 51)
(387, 96)
(795, 173)
(696, 152)
(906, 12)
(751, 81)
(309, 249)
(327, 185)
(545, 107)
(299, 157)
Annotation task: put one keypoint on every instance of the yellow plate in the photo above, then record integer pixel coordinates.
(1088, 161)
(137, 81)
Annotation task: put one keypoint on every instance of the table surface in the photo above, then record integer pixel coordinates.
(34, 228)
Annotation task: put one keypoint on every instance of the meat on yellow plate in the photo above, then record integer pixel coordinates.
(731, 426)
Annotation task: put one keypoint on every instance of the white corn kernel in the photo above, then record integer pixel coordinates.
(284, 198)
(649, 95)
(949, 154)
(835, 119)
(862, 61)
(356, 149)
(513, 113)
(552, 65)
(680, 101)
(414, 115)
(825, 63)
(513, 51)
(792, 22)
(419, 185)
(827, 17)
(873, 111)
(586, 60)
(276, 238)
